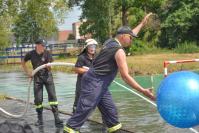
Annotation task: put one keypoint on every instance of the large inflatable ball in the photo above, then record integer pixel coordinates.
(178, 99)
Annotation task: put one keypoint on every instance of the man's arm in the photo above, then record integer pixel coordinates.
(50, 59)
(81, 70)
(137, 29)
(123, 68)
(25, 68)
(80, 67)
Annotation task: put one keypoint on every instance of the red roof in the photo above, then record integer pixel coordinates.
(63, 35)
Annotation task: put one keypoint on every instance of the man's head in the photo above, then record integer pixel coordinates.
(91, 46)
(125, 35)
(40, 45)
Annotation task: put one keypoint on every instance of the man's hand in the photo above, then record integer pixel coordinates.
(149, 93)
(137, 29)
(81, 70)
(144, 21)
(86, 68)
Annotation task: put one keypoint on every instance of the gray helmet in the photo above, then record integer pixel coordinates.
(41, 41)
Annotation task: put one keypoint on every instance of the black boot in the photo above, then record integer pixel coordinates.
(40, 117)
(58, 122)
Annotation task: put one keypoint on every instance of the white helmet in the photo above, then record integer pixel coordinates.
(90, 42)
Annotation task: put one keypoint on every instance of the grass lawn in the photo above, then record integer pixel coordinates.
(138, 64)
(153, 63)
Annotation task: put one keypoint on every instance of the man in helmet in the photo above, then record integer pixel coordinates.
(95, 82)
(83, 62)
(44, 77)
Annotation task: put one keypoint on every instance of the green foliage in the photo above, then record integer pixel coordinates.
(104, 17)
(71, 37)
(181, 22)
(5, 33)
(34, 21)
(187, 47)
(98, 16)
(174, 22)
(62, 56)
(8, 9)
(29, 19)
(137, 47)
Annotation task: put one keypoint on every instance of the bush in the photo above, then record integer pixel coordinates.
(137, 47)
(141, 47)
(72, 52)
(187, 47)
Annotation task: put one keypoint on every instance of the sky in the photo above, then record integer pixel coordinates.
(71, 17)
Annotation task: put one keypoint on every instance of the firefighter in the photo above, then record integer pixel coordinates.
(44, 77)
(83, 62)
(95, 82)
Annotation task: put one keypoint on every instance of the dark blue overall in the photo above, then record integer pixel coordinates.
(95, 93)
(43, 78)
(83, 60)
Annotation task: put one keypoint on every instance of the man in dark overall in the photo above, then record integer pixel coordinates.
(83, 62)
(95, 82)
(44, 77)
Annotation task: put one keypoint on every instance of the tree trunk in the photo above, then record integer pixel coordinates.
(124, 15)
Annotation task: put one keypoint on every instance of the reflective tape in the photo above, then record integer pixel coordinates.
(70, 130)
(115, 128)
(53, 103)
(38, 106)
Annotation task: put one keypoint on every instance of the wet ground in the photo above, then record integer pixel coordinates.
(135, 114)
(30, 118)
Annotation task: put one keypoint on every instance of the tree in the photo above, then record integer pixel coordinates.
(8, 9)
(71, 37)
(37, 19)
(33, 22)
(5, 33)
(29, 19)
(174, 22)
(103, 17)
(180, 23)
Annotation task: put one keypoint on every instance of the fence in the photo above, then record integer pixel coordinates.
(166, 63)
(14, 55)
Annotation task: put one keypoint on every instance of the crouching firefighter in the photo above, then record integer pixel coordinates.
(43, 77)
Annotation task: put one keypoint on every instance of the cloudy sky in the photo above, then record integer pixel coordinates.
(71, 17)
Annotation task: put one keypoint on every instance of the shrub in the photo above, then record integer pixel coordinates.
(187, 47)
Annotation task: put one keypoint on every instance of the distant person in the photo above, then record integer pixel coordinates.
(83, 62)
(44, 77)
(95, 82)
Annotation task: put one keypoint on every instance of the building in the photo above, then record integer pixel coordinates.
(63, 35)
(76, 33)
(75, 27)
